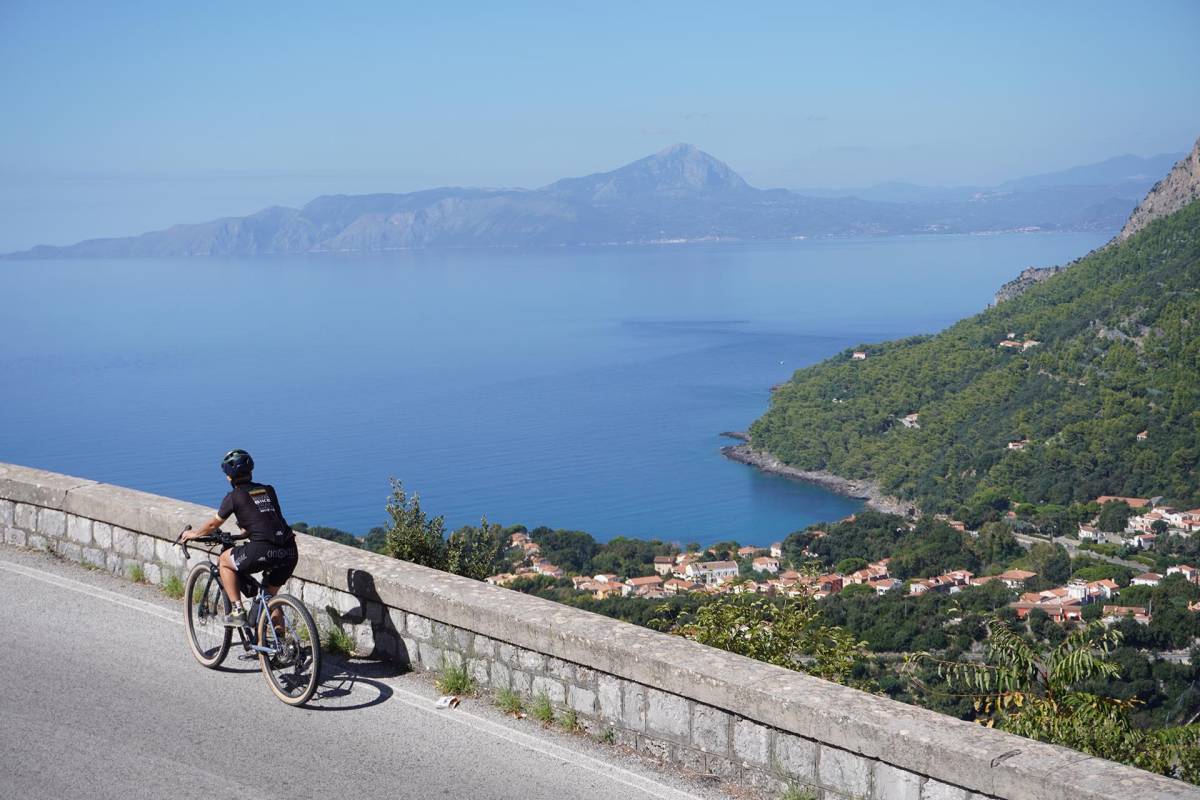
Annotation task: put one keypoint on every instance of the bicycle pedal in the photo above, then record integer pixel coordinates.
(248, 657)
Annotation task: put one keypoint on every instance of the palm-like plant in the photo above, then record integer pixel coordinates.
(1036, 694)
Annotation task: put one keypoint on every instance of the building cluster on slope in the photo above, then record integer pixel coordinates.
(689, 572)
(1143, 529)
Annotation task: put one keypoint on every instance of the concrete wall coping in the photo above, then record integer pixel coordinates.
(915, 739)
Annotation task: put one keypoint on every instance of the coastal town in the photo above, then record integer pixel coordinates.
(767, 571)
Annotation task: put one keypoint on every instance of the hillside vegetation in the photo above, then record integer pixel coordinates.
(1117, 354)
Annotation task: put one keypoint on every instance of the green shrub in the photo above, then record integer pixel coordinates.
(509, 701)
(338, 642)
(137, 574)
(172, 587)
(455, 680)
(542, 710)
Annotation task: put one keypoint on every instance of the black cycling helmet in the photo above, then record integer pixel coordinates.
(237, 464)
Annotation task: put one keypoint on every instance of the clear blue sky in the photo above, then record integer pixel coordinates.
(119, 117)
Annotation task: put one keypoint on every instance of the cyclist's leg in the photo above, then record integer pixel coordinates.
(275, 576)
(229, 577)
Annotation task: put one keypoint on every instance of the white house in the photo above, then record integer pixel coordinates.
(712, 573)
(766, 564)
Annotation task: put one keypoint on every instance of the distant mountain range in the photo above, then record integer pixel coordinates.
(679, 194)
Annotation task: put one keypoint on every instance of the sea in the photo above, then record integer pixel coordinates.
(579, 388)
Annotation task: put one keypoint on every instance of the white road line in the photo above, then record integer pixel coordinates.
(94, 591)
(409, 698)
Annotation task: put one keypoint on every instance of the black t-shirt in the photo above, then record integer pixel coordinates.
(257, 509)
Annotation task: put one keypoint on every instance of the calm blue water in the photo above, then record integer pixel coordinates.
(570, 388)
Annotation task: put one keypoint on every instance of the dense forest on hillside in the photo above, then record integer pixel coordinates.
(1117, 354)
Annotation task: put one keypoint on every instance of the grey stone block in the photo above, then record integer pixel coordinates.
(936, 790)
(168, 554)
(893, 783)
(79, 529)
(751, 743)
(25, 517)
(501, 675)
(145, 547)
(582, 700)
(430, 656)
(550, 687)
(443, 634)
(844, 772)
(102, 535)
(95, 556)
(412, 651)
(508, 654)
(585, 677)
(124, 541)
(795, 757)
(154, 573)
(6, 512)
(691, 759)
(608, 693)
(15, 536)
(710, 729)
(37, 542)
(722, 767)
(418, 627)
(667, 715)
(477, 668)
(633, 706)
(51, 522)
(655, 748)
(460, 639)
(530, 661)
(625, 738)
(482, 647)
(451, 659)
(521, 682)
(112, 563)
(560, 669)
(69, 550)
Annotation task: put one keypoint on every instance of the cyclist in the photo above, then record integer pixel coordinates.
(271, 547)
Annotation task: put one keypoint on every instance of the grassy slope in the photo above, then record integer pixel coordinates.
(1080, 397)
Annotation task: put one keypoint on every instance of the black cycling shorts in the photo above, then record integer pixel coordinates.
(278, 560)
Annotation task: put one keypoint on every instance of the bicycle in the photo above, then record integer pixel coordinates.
(280, 632)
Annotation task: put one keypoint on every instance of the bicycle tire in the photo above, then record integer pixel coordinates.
(293, 673)
(205, 606)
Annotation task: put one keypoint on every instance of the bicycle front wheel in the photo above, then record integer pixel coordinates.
(293, 669)
(205, 607)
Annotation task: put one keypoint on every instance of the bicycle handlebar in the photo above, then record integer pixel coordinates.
(219, 537)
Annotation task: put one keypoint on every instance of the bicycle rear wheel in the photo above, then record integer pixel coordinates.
(294, 670)
(205, 607)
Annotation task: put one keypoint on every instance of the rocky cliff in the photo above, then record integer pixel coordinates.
(1180, 187)
(1027, 278)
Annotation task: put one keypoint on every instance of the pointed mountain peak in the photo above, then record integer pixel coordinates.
(679, 150)
(1178, 189)
(681, 169)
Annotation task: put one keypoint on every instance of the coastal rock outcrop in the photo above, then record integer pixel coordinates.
(1178, 189)
(1027, 278)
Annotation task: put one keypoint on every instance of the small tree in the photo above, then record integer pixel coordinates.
(787, 634)
(412, 536)
(1036, 693)
(473, 552)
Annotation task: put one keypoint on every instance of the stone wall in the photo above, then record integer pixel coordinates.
(667, 697)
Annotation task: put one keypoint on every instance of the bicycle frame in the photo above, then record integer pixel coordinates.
(248, 632)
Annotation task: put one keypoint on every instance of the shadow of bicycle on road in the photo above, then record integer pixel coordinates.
(351, 684)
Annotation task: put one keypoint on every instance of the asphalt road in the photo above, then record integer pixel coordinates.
(100, 698)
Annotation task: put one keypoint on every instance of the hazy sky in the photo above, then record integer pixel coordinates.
(121, 117)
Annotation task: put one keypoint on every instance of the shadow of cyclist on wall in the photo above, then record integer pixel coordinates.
(388, 657)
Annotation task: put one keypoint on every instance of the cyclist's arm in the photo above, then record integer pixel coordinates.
(204, 530)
